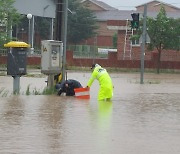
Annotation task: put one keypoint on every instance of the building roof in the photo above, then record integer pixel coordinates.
(126, 14)
(160, 2)
(113, 15)
(42, 8)
(100, 4)
(174, 15)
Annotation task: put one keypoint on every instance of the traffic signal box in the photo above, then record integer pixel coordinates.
(135, 21)
(51, 56)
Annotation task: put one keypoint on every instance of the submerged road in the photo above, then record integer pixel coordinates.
(140, 119)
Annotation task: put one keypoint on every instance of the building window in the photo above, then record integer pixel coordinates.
(135, 43)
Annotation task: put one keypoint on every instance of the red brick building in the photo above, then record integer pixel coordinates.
(111, 20)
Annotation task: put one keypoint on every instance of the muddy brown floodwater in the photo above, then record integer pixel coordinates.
(140, 119)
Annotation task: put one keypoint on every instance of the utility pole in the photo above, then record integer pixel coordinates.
(61, 29)
(65, 38)
(59, 21)
(143, 44)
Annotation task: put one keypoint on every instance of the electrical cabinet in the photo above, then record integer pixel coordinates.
(51, 56)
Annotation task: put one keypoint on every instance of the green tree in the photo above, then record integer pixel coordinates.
(39, 21)
(173, 41)
(8, 17)
(164, 33)
(42, 31)
(81, 23)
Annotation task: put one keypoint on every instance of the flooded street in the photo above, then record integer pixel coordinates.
(140, 119)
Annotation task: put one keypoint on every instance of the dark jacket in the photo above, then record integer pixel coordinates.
(72, 84)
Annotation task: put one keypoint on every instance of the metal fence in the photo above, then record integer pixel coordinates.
(79, 51)
(87, 51)
(3, 52)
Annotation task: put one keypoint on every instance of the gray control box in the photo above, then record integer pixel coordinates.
(51, 56)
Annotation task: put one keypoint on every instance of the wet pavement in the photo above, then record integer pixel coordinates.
(140, 119)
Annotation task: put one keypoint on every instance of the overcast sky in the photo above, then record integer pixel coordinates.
(130, 4)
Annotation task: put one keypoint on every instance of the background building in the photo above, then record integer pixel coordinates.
(111, 21)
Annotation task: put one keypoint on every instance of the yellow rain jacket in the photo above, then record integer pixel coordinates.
(105, 82)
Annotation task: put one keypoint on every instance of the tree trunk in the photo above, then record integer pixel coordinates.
(159, 61)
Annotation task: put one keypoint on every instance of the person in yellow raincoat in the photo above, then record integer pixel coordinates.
(105, 82)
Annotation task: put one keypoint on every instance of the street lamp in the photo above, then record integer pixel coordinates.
(29, 16)
(31, 31)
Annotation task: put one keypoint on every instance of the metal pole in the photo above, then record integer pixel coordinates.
(65, 37)
(50, 81)
(51, 28)
(29, 32)
(30, 16)
(59, 15)
(95, 45)
(143, 44)
(16, 84)
(32, 34)
(11, 30)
